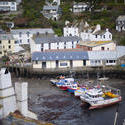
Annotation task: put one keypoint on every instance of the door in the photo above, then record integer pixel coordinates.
(43, 64)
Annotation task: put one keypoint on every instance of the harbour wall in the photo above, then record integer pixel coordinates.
(86, 72)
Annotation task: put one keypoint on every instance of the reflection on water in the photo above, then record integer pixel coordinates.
(62, 108)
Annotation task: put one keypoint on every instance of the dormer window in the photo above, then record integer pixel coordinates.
(28, 33)
(20, 34)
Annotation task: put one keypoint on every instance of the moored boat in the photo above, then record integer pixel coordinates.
(79, 92)
(98, 98)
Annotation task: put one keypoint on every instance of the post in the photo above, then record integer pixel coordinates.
(116, 115)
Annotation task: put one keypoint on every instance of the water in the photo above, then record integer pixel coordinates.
(61, 108)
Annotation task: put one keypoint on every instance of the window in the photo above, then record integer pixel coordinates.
(63, 64)
(96, 36)
(16, 42)
(36, 62)
(28, 40)
(3, 46)
(64, 45)
(0, 42)
(104, 36)
(28, 33)
(9, 47)
(20, 34)
(102, 48)
(20, 41)
(9, 41)
(0, 52)
(49, 46)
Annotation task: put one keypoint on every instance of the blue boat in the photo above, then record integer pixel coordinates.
(73, 87)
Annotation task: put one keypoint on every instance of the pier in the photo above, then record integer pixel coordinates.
(28, 71)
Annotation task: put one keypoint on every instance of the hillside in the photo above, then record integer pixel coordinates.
(31, 16)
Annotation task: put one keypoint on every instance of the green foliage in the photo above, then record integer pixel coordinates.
(58, 31)
(5, 59)
(122, 41)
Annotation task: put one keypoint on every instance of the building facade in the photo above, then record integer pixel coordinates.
(120, 23)
(8, 5)
(80, 7)
(7, 44)
(75, 59)
(24, 36)
(98, 35)
(97, 45)
(40, 44)
(52, 12)
(71, 31)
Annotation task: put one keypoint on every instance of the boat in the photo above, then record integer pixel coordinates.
(73, 87)
(53, 81)
(101, 97)
(65, 83)
(79, 92)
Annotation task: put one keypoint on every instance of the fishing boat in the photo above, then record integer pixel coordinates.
(79, 92)
(73, 87)
(101, 97)
(53, 81)
(65, 83)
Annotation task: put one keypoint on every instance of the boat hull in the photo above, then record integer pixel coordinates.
(63, 87)
(103, 104)
(71, 90)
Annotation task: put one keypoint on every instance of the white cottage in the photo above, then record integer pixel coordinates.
(71, 31)
(24, 36)
(120, 23)
(8, 5)
(80, 7)
(40, 44)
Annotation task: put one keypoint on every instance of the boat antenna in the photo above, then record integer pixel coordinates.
(116, 114)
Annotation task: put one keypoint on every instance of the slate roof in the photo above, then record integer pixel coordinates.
(45, 7)
(6, 37)
(50, 56)
(94, 43)
(39, 40)
(121, 18)
(79, 55)
(32, 31)
(105, 55)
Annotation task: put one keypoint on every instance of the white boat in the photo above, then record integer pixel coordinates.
(79, 92)
(98, 98)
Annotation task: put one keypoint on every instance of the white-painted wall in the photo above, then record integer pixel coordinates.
(108, 46)
(107, 36)
(70, 31)
(51, 64)
(8, 6)
(77, 63)
(77, 8)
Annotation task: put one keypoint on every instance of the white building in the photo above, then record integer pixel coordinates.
(87, 33)
(24, 36)
(8, 5)
(71, 31)
(120, 23)
(52, 12)
(56, 1)
(80, 7)
(96, 35)
(75, 59)
(40, 44)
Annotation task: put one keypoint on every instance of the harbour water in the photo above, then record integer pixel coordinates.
(62, 108)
